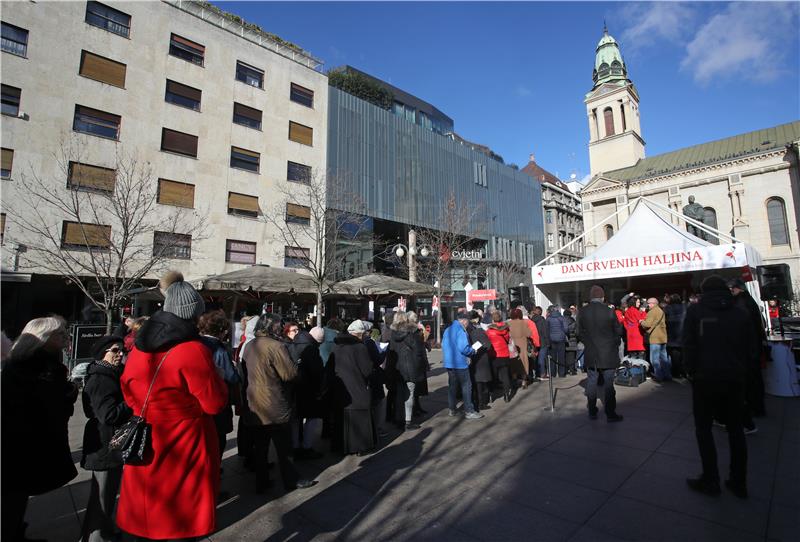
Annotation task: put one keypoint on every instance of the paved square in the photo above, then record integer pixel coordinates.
(521, 473)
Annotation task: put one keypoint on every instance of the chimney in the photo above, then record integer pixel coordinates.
(533, 157)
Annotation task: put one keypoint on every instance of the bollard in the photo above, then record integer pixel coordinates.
(552, 407)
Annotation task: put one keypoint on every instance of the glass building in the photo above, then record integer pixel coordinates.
(403, 164)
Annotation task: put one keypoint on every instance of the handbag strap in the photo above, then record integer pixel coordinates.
(153, 381)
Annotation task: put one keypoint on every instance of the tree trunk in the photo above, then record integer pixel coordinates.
(439, 317)
(108, 320)
(319, 308)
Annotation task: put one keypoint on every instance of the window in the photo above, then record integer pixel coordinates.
(710, 219)
(102, 69)
(2, 227)
(91, 178)
(11, 96)
(301, 134)
(608, 115)
(776, 216)
(298, 173)
(14, 40)
(176, 246)
(609, 231)
(246, 116)
(107, 18)
(244, 159)
(249, 75)
(175, 193)
(622, 114)
(186, 49)
(549, 240)
(298, 214)
(78, 235)
(178, 142)
(242, 205)
(549, 216)
(295, 256)
(8, 161)
(301, 95)
(183, 96)
(94, 122)
(240, 252)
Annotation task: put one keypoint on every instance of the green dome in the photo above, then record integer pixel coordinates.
(609, 67)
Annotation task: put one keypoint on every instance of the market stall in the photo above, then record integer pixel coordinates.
(651, 256)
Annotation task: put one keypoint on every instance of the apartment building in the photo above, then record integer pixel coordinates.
(224, 113)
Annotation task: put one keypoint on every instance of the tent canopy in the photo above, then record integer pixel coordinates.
(260, 278)
(648, 244)
(375, 284)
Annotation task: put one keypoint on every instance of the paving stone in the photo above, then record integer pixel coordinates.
(784, 523)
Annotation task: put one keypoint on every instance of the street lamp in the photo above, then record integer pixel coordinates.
(401, 250)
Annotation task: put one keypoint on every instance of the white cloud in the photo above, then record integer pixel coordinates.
(522, 91)
(746, 40)
(649, 23)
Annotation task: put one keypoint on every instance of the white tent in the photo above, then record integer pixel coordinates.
(651, 256)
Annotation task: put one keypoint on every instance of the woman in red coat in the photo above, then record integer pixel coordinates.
(173, 495)
(633, 317)
(499, 336)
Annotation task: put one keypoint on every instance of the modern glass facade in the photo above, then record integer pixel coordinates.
(403, 173)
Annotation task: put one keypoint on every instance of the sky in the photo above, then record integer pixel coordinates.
(513, 75)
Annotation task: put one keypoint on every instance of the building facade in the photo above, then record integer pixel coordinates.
(404, 171)
(224, 114)
(563, 219)
(748, 184)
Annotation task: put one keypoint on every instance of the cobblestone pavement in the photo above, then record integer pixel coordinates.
(521, 473)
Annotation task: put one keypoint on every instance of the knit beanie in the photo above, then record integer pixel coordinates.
(596, 292)
(713, 283)
(102, 344)
(180, 298)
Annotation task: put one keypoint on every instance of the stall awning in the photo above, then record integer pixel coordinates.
(260, 278)
(648, 244)
(375, 284)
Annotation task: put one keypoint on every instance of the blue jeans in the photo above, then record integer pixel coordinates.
(459, 378)
(542, 361)
(662, 367)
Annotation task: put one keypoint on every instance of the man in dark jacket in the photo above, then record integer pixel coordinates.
(600, 331)
(544, 337)
(717, 346)
(754, 382)
(559, 330)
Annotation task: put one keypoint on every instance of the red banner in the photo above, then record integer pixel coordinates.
(481, 295)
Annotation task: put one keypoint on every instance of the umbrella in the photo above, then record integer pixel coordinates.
(260, 278)
(375, 284)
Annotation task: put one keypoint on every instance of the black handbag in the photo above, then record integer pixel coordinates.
(133, 440)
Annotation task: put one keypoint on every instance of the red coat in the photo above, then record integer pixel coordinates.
(498, 335)
(534, 333)
(632, 329)
(175, 495)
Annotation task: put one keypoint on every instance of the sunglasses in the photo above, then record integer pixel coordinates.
(114, 349)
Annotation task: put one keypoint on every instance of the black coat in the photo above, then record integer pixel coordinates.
(311, 387)
(543, 328)
(674, 313)
(482, 360)
(718, 339)
(572, 333)
(600, 332)
(105, 410)
(407, 346)
(353, 367)
(758, 331)
(37, 402)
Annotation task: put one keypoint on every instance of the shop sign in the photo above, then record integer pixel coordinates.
(482, 295)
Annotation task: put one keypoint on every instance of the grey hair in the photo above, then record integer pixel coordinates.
(412, 317)
(400, 319)
(36, 333)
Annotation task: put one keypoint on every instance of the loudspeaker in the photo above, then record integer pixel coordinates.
(775, 281)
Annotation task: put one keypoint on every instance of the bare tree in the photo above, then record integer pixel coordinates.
(458, 224)
(100, 227)
(508, 274)
(323, 228)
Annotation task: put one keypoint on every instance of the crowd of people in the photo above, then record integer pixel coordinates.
(292, 386)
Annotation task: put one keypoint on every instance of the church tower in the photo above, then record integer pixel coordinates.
(615, 134)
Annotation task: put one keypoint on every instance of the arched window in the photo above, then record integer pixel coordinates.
(622, 114)
(710, 219)
(609, 118)
(609, 231)
(776, 216)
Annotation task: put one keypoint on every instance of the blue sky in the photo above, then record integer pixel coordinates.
(513, 75)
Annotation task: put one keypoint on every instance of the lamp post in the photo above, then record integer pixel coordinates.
(401, 250)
